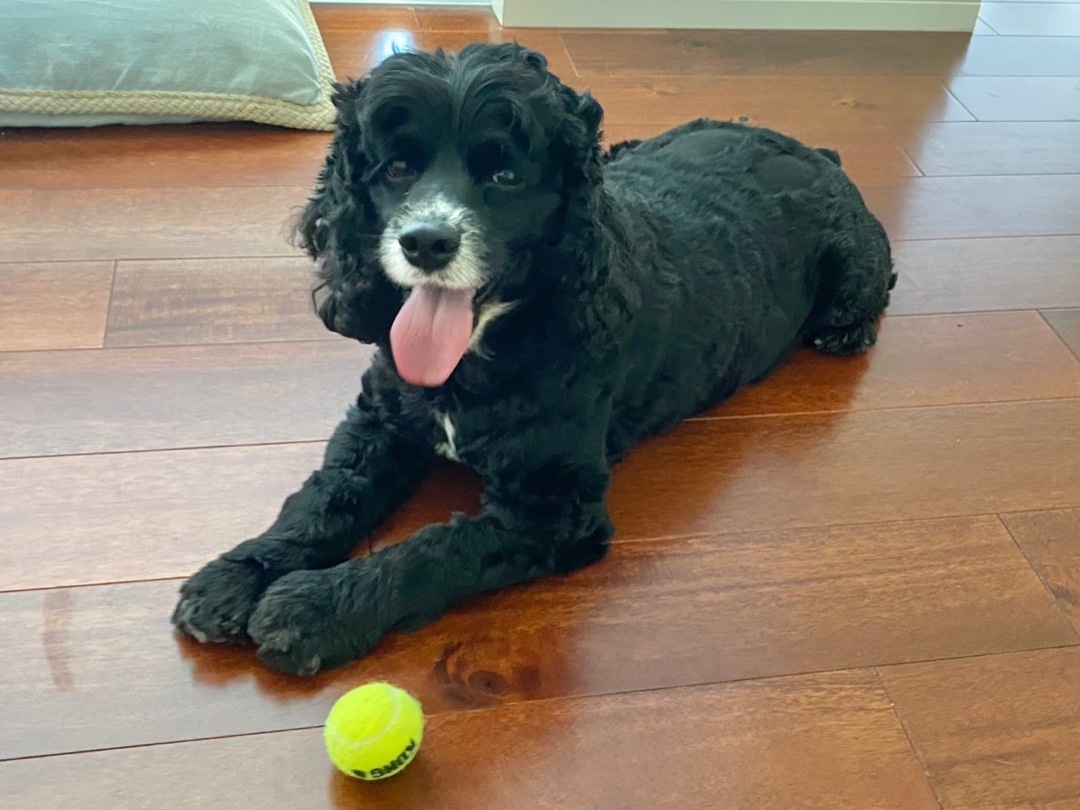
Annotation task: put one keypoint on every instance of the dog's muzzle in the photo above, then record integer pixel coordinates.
(435, 240)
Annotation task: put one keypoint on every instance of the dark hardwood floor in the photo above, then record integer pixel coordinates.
(853, 587)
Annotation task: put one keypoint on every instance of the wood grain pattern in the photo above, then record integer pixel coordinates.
(1051, 541)
(213, 301)
(120, 517)
(980, 745)
(49, 306)
(127, 516)
(1019, 98)
(915, 510)
(826, 740)
(470, 20)
(983, 274)
(933, 360)
(762, 53)
(1021, 56)
(966, 207)
(146, 223)
(985, 147)
(200, 155)
(857, 101)
(1033, 19)
(338, 17)
(58, 403)
(735, 475)
(764, 603)
(1067, 324)
(355, 52)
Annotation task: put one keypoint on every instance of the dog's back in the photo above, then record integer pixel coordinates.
(745, 243)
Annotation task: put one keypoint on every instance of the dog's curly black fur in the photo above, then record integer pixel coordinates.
(644, 284)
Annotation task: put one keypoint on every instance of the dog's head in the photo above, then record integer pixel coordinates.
(445, 173)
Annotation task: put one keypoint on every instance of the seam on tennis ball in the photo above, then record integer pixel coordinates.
(368, 741)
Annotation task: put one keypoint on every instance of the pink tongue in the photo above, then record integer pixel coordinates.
(431, 333)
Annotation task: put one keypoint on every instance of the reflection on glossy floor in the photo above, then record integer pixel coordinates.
(855, 586)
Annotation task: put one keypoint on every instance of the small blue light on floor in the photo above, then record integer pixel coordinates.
(391, 42)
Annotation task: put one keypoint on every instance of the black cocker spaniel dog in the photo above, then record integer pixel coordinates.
(539, 306)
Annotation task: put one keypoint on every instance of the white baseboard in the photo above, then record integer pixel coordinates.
(801, 15)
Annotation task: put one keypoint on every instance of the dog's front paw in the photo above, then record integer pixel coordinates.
(309, 621)
(217, 601)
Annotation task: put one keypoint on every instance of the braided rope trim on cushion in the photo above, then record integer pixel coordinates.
(204, 106)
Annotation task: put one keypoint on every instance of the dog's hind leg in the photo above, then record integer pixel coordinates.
(366, 473)
(855, 277)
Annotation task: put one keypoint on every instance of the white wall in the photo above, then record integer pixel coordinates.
(886, 15)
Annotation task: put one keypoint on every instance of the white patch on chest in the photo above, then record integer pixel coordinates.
(488, 313)
(447, 449)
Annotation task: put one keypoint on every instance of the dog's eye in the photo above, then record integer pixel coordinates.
(400, 170)
(506, 178)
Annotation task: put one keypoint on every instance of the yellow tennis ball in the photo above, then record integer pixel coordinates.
(374, 731)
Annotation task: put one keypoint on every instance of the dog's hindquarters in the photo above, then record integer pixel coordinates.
(855, 277)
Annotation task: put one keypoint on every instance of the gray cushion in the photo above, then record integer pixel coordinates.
(89, 62)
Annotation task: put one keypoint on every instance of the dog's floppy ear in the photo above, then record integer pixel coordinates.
(578, 143)
(344, 161)
(339, 229)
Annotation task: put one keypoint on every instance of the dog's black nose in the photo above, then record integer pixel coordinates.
(429, 247)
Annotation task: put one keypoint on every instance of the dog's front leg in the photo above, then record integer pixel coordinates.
(366, 473)
(552, 520)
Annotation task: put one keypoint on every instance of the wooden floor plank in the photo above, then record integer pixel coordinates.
(84, 532)
(982, 747)
(1019, 98)
(202, 155)
(338, 17)
(858, 101)
(763, 53)
(355, 52)
(822, 741)
(190, 301)
(145, 223)
(1067, 324)
(1051, 541)
(983, 274)
(919, 361)
(987, 147)
(739, 474)
(764, 603)
(842, 515)
(165, 397)
(933, 360)
(122, 517)
(968, 207)
(47, 306)
(1021, 56)
(469, 20)
(59, 403)
(1033, 19)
